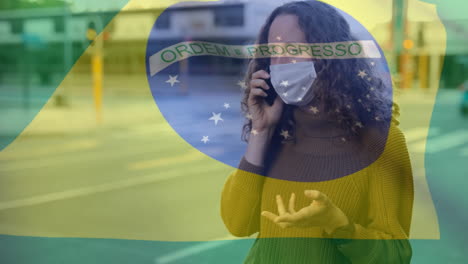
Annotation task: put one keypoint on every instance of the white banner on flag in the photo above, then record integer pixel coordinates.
(332, 50)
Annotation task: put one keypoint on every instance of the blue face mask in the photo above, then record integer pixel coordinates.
(293, 82)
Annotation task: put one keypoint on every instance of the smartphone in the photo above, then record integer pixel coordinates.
(270, 99)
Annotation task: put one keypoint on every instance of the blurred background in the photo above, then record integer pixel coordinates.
(96, 150)
(51, 34)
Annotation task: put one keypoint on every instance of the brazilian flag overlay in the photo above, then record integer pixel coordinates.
(233, 131)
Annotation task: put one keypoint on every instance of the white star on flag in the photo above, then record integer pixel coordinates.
(226, 105)
(304, 88)
(216, 118)
(205, 139)
(285, 134)
(242, 84)
(362, 74)
(372, 63)
(172, 80)
(285, 94)
(285, 83)
(314, 109)
(372, 88)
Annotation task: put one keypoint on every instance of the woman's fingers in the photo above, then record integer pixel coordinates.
(261, 74)
(279, 202)
(269, 215)
(293, 218)
(255, 83)
(254, 96)
(272, 217)
(292, 201)
(288, 218)
(257, 92)
(316, 195)
(309, 215)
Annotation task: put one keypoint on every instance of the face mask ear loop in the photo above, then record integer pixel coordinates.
(313, 72)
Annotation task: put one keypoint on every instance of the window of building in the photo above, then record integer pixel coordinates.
(229, 16)
(59, 24)
(17, 26)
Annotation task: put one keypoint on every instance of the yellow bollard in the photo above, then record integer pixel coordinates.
(423, 69)
(407, 65)
(96, 70)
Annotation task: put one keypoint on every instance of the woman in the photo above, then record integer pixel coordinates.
(335, 151)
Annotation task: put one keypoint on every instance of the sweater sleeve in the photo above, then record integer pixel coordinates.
(384, 236)
(241, 199)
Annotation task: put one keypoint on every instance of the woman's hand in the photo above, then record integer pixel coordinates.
(263, 115)
(321, 212)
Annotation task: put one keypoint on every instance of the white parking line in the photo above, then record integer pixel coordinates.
(80, 192)
(443, 142)
(418, 133)
(192, 250)
(149, 164)
(83, 157)
(144, 130)
(464, 152)
(196, 249)
(75, 151)
(73, 146)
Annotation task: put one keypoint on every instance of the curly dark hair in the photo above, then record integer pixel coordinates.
(347, 98)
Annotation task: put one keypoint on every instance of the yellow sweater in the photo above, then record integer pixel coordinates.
(377, 200)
